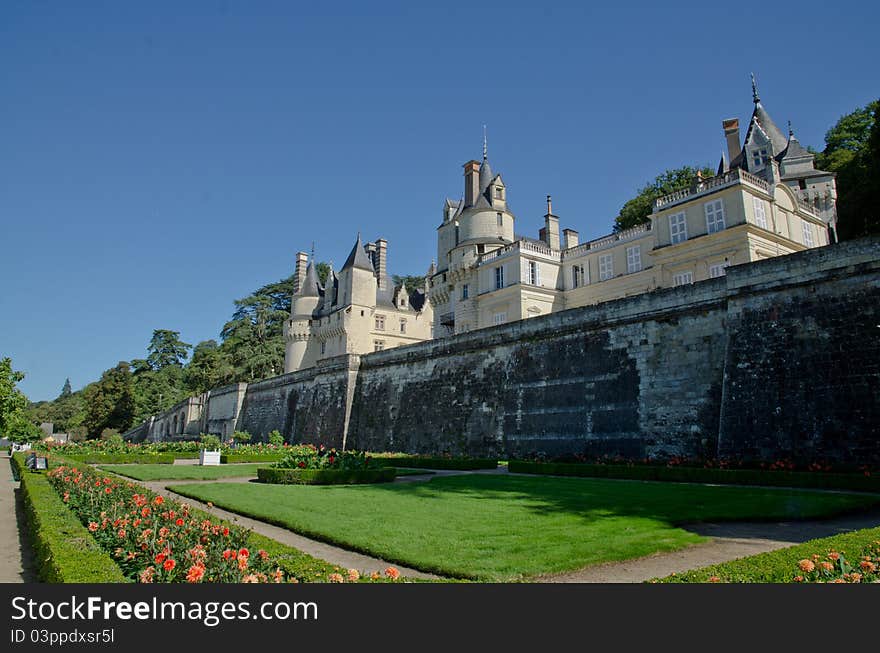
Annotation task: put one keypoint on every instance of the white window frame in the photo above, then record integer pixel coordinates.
(380, 322)
(682, 278)
(634, 259)
(807, 230)
(533, 270)
(499, 277)
(714, 216)
(606, 267)
(717, 270)
(678, 228)
(760, 212)
(378, 345)
(578, 276)
(499, 318)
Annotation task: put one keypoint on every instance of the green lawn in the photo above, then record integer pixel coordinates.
(499, 528)
(184, 472)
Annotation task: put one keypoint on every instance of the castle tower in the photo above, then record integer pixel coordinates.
(357, 278)
(298, 348)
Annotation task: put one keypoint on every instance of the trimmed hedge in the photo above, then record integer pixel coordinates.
(424, 462)
(126, 458)
(250, 457)
(779, 566)
(64, 550)
(325, 476)
(815, 480)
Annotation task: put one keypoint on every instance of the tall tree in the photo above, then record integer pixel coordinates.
(209, 367)
(254, 338)
(851, 151)
(110, 402)
(166, 348)
(12, 400)
(65, 391)
(638, 210)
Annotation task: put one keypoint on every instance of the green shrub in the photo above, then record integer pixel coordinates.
(308, 456)
(818, 480)
(275, 438)
(209, 442)
(241, 437)
(64, 551)
(782, 565)
(435, 462)
(325, 476)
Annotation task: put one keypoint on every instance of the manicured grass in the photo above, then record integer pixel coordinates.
(496, 528)
(183, 472)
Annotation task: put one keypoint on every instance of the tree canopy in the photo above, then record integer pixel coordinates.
(638, 210)
(15, 423)
(166, 348)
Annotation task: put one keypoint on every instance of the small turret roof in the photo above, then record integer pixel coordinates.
(358, 258)
(486, 175)
(309, 286)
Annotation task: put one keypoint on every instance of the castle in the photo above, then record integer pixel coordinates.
(767, 199)
(355, 312)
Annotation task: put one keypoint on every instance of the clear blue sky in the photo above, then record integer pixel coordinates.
(161, 159)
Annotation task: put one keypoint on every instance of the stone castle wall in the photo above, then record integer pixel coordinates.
(779, 359)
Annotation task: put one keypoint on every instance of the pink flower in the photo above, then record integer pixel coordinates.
(806, 565)
(392, 573)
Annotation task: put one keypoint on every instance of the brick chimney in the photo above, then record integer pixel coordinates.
(382, 262)
(731, 133)
(299, 270)
(471, 182)
(570, 238)
(551, 227)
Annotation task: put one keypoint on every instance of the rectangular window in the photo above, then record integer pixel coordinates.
(606, 267)
(717, 270)
(464, 291)
(499, 193)
(323, 348)
(380, 323)
(499, 318)
(378, 345)
(760, 212)
(402, 326)
(808, 233)
(678, 231)
(634, 258)
(577, 276)
(682, 278)
(714, 216)
(499, 277)
(499, 218)
(534, 274)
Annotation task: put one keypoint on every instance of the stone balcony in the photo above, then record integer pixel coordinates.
(711, 185)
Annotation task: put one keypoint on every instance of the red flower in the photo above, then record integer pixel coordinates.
(108, 490)
(195, 574)
(169, 564)
(179, 522)
(158, 500)
(244, 553)
(160, 558)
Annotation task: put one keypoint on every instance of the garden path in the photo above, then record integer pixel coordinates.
(16, 564)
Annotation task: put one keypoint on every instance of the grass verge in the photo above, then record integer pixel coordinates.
(501, 528)
(780, 566)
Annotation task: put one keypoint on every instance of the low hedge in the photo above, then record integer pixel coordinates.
(780, 566)
(126, 458)
(425, 462)
(815, 480)
(325, 476)
(64, 550)
(250, 457)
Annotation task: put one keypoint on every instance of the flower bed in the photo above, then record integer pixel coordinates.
(325, 476)
(848, 558)
(860, 481)
(434, 462)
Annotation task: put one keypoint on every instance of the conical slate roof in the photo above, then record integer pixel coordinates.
(358, 258)
(309, 286)
(486, 175)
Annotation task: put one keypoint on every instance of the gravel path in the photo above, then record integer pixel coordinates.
(16, 564)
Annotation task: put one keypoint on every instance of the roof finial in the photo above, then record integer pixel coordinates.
(313, 250)
(790, 130)
(755, 97)
(485, 145)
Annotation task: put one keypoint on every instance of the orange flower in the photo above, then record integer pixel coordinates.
(158, 500)
(228, 553)
(335, 578)
(834, 555)
(146, 576)
(159, 559)
(169, 564)
(714, 579)
(179, 521)
(353, 575)
(392, 573)
(798, 579)
(277, 576)
(195, 574)
(827, 566)
(806, 565)
(93, 526)
(264, 555)
(108, 490)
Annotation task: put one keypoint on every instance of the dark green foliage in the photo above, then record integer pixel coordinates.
(638, 210)
(325, 476)
(64, 551)
(852, 151)
(166, 348)
(66, 390)
(110, 403)
(427, 462)
(210, 367)
(854, 481)
(15, 423)
(411, 282)
(780, 566)
(251, 457)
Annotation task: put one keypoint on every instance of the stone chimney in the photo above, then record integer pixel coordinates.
(471, 182)
(299, 271)
(382, 262)
(551, 227)
(731, 133)
(570, 238)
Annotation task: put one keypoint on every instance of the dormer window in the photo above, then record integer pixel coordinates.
(760, 157)
(499, 193)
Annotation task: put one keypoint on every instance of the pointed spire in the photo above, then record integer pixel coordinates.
(309, 286)
(790, 130)
(358, 258)
(755, 97)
